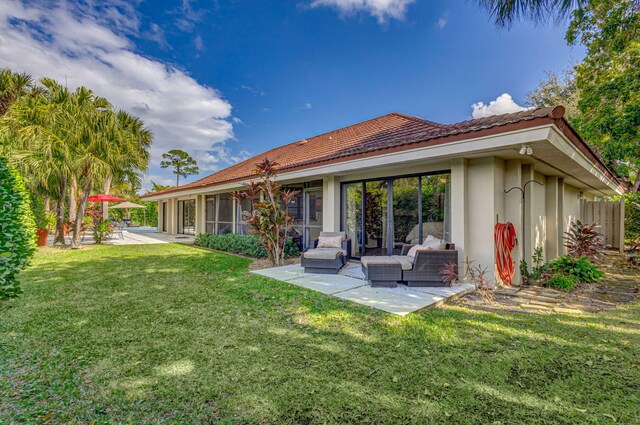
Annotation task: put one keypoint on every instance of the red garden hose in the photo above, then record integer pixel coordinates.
(505, 236)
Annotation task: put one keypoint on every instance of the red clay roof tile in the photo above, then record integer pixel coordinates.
(378, 134)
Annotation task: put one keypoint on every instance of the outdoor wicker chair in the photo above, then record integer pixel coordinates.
(327, 260)
(424, 268)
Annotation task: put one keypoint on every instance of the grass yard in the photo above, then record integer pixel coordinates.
(176, 334)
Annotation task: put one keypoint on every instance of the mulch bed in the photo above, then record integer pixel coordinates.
(264, 263)
(620, 285)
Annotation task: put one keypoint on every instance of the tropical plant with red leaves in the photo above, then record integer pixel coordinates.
(268, 217)
(582, 240)
(449, 273)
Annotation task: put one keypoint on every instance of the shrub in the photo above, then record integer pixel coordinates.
(579, 268)
(248, 245)
(583, 241)
(632, 216)
(17, 230)
(562, 281)
(101, 230)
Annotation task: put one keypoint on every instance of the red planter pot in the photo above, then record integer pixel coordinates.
(43, 234)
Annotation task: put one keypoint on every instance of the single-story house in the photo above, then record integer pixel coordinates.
(397, 178)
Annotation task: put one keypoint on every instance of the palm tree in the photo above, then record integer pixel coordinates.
(34, 132)
(13, 86)
(506, 12)
(131, 158)
(60, 137)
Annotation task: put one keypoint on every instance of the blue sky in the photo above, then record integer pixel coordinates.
(229, 79)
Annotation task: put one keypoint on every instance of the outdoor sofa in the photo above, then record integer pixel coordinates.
(327, 260)
(423, 269)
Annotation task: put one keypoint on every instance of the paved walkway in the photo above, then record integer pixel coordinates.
(350, 285)
(136, 237)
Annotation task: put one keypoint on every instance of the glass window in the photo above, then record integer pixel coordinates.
(417, 199)
(210, 214)
(313, 216)
(187, 217)
(241, 227)
(434, 201)
(225, 208)
(405, 210)
(375, 218)
(296, 208)
(352, 215)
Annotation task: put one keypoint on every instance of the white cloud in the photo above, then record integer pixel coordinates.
(380, 9)
(88, 46)
(503, 104)
(307, 106)
(188, 17)
(198, 43)
(442, 22)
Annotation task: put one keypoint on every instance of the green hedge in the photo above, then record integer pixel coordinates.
(248, 245)
(632, 217)
(17, 229)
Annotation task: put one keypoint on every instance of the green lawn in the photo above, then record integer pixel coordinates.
(176, 334)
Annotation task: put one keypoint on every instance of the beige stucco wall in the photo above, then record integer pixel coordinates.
(485, 205)
(571, 205)
(478, 202)
(538, 203)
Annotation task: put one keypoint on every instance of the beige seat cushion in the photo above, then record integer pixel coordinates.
(405, 261)
(324, 253)
(369, 260)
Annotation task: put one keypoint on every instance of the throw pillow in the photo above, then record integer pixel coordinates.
(330, 242)
(429, 238)
(435, 244)
(414, 249)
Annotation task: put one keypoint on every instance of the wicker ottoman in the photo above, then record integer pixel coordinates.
(323, 260)
(381, 272)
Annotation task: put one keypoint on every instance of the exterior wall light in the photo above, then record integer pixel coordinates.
(526, 150)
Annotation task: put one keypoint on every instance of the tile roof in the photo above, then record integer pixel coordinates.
(368, 137)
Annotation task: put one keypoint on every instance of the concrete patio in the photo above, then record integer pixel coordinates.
(350, 285)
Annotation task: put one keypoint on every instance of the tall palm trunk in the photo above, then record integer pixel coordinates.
(73, 204)
(77, 225)
(59, 239)
(47, 205)
(105, 205)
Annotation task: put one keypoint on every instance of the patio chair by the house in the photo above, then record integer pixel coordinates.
(423, 269)
(328, 254)
(419, 266)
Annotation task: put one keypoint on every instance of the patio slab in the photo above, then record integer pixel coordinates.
(400, 300)
(330, 284)
(283, 273)
(350, 285)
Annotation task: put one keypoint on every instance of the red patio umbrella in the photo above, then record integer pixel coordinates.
(104, 198)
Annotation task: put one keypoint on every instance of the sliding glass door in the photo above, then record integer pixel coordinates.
(187, 217)
(381, 215)
(375, 217)
(312, 215)
(352, 212)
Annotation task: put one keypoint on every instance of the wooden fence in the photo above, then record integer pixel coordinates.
(610, 218)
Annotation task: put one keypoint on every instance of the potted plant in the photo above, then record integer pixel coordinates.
(45, 223)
